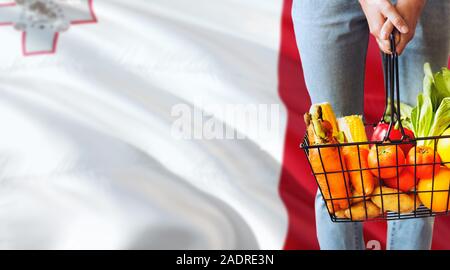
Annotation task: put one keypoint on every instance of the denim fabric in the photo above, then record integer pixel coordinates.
(332, 37)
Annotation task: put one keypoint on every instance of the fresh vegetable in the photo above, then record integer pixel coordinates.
(353, 129)
(395, 135)
(340, 214)
(358, 211)
(405, 181)
(424, 158)
(389, 200)
(359, 178)
(443, 148)
(418, 202)
(327, 115)
(440, 194)
(436, 86)
(431, 116)
(357, 197)
(405, 114)
(387, 158)
(325, 162)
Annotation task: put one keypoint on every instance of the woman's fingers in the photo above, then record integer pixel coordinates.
(402, 44)
(384, 45)
(386, 29)
(398, 38)
(391, 13)
(383, 18)
(384, 39)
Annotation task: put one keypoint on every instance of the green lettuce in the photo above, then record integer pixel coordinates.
(426, 115)
(443, 118)
(431, 116)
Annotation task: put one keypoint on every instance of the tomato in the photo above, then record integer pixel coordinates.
(387, 156)
(406, 181)
(424, 155)
(380, 132)
(441, 182)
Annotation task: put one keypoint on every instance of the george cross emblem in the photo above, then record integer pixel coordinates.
(42, 21)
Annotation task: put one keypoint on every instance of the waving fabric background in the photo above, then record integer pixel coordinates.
(87, 159)
(87, 153)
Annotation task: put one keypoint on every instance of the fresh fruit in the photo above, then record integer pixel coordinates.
(395, 135)
(405, 182)
(440, 194)
(424, 158)
(387, 157)
(443, 148)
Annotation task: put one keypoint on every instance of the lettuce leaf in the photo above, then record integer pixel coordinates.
(436, 86)
(431, 116)
(414, 120)
(442, 118)
(442, 83)
(426, 115)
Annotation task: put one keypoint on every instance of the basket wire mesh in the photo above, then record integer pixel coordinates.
(420, 211)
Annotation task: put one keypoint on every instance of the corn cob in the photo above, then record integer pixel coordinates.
(353, 128)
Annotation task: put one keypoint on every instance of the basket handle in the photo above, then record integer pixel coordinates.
(392, 88)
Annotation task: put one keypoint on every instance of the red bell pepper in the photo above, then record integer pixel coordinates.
(382, 128)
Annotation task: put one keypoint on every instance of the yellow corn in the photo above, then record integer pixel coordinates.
(353, 128)
(328, 114)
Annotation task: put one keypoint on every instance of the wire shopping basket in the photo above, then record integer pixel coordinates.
(430, 191)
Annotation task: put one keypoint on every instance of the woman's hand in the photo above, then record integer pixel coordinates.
(410, 10)
(379, 12)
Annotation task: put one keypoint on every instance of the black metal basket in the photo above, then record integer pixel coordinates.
(420, 211)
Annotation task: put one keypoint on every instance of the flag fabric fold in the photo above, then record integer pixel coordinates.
(87, 155)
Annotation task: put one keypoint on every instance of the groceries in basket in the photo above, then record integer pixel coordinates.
(404, 171)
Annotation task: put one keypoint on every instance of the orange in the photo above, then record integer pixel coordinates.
(443, 148)
(440, 198)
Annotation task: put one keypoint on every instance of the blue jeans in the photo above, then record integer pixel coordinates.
(332, 37)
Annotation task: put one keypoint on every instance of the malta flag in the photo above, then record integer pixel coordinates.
(157, 125)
